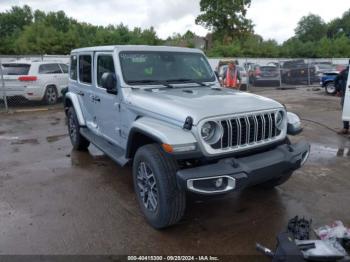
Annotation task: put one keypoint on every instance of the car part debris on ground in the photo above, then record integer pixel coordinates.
(295, 245)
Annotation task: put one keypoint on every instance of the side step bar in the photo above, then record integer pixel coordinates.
(113, 151)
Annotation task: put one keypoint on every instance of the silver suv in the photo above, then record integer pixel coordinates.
(163, 110)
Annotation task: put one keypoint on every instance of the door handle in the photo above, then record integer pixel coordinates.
(81, 93)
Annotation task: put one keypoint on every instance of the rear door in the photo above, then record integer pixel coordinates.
(346, 108)
(49, 75)
(107, 106)
(80, 83)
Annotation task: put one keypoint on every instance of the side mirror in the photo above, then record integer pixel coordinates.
(109, 82)
(294, 124)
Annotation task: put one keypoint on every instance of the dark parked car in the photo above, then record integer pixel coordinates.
(327, 81)
(297, 71)
(266, 75)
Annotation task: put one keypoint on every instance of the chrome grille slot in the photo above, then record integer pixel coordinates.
(246, 131)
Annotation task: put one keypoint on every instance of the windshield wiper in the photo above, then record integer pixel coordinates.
(150, 81)
(187, 80)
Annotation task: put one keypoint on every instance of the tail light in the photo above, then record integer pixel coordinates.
(27, 78)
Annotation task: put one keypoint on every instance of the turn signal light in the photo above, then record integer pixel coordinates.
(27, 78)
(167, 148)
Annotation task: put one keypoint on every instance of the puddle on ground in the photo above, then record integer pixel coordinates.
(56, 121)
(321, 152)
(55, 138)
(31, 141)
(92, 157)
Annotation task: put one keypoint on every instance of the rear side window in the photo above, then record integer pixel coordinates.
(64, 68)
(73, 67)
(16, 69)
(85, 69)
(50, 69)
(105, 64)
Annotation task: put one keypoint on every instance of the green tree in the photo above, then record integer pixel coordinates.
(227, 18)
(311, 28)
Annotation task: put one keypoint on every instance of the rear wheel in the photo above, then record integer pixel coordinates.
(79, 142)
(159, 197)
(51, 96)
(330, 88)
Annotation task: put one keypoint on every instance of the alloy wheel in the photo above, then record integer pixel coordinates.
(146, 184)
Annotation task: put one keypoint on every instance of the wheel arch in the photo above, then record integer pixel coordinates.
(71, 100)
(156, 131)
(138, 138)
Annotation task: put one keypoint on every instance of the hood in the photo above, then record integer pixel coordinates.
(197, 102)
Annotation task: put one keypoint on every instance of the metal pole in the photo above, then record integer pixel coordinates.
(279, 72)
(308, 72)
(3, 87)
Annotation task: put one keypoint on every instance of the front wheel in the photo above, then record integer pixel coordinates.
(330, 88)
(160, 199)
(79, 142)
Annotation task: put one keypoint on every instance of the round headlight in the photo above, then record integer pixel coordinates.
(279, 119)
(211, 132)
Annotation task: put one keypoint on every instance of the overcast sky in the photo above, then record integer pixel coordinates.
(275, 19)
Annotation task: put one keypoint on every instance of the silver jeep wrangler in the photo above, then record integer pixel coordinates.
(162, 110)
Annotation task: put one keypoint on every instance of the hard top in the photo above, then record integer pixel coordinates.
(135, 48)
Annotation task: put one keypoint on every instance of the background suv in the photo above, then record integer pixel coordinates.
(35, 81)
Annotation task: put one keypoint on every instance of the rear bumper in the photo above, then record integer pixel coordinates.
(28, 92)
(247, 171)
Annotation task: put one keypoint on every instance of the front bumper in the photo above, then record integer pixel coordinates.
(242, 172)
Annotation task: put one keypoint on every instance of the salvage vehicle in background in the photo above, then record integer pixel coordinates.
(264, 75)
(321, 68)
(35, 81)
(163, 110)
(297, 71)
(328, 82)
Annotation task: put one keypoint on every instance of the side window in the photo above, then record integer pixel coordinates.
(85, 69)
(105, 64)
(64, 68)
(73, 67)
(49, 69)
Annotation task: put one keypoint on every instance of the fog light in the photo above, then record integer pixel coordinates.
(219, 182)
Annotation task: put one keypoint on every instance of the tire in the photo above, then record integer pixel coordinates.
(51, 95)
(330, 88)
(276, 181)
(163, 204)
(79, 142)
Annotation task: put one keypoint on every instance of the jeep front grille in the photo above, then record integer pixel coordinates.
(250, 129)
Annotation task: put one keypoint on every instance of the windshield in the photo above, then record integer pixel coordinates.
(143, 67)
(16, 69)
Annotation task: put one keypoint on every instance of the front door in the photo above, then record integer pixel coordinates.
(346, 108)
(107, 106)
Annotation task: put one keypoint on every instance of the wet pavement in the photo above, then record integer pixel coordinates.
(57, 201)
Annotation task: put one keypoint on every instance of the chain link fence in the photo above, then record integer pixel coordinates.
(281, 73)
(16, 93)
